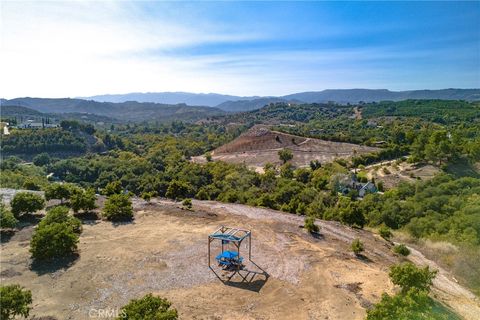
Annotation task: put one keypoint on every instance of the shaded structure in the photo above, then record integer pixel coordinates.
(227, 236)
(248, 276)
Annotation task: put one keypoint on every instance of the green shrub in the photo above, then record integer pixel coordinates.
(55, 240)
(14, 301)
(178, 190)
(147, 196)
(208, 156)
(401, 249)
(61, 191)
(187, 203)
(60, 215)
(31, 185)
(118, 207)
(41, 159)
(285, 155)
(83, 200)
(286, 171)
(26, 202)
(385, 232)
(352, 215)
(310, 225)
(303, 175)
(148, 307)
(409, 276)
(114, 187)
(380, 186)
(357, 246)
(411, 305)
(413, 301)
(7, 219)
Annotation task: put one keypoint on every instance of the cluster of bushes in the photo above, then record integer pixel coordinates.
(384, 154)
(440, 111)
(46, 140)
(78, 198)
(56, 236)
(17, 176)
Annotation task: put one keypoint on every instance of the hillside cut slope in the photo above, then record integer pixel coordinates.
(260, 145)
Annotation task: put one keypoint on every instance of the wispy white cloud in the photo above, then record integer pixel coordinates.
(76, 48)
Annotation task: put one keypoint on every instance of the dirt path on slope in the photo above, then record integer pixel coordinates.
(448, 290)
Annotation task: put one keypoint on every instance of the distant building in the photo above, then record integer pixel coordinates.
(30, 124)
(346, 183)
(380, 143)
(366, 188)
(4, 128)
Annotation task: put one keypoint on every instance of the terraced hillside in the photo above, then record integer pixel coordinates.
(260, 145)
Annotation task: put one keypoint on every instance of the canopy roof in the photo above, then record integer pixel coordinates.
(230, 234)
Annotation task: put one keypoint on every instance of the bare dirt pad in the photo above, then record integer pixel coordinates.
(260, 145)
(392, 173)
(293, 275)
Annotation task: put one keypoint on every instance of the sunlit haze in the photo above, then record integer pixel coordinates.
(69, 49)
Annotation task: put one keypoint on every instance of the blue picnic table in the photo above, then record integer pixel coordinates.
(227, 258)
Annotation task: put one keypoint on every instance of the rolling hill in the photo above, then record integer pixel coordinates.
(232, 103)
(125, 111)
(197, 99)
(369, 95)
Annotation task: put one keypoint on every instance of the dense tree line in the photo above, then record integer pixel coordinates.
(33, 141)
(439, 111)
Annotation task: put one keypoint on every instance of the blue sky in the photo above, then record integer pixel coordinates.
(81, 48)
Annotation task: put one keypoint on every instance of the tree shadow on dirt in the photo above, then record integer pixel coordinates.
(89, 218)
(245, 278)
(117, 224)
(24, 221)
(29, 219)
(43, 267)
(317, 235)
(363, 258)
(6, 235)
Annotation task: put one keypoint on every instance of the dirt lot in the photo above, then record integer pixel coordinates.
(292, 274)
(260, 145)
(392, 173)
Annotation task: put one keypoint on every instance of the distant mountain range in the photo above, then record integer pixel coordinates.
(237, 103)
(169, 106)
(193, 99)
(125, 111)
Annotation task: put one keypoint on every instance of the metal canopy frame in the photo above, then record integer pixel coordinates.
(235, 235)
